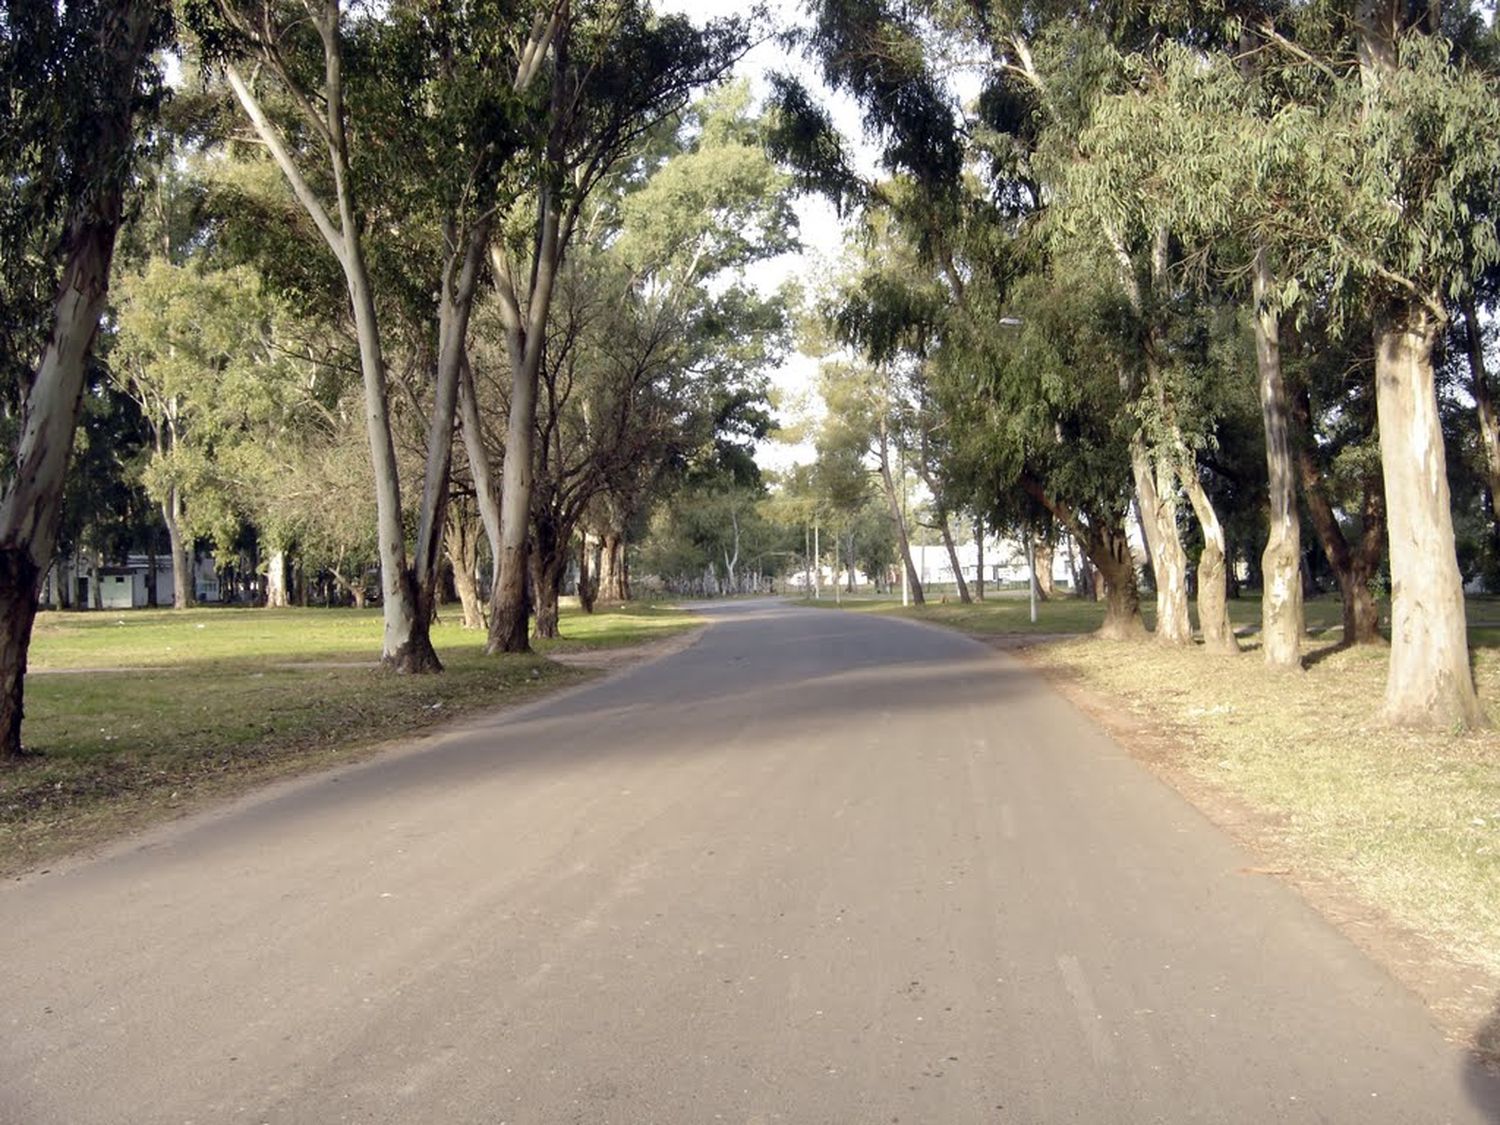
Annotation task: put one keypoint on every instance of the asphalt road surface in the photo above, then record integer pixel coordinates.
(818, 867)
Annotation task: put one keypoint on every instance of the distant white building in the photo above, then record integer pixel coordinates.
(1004, 561)
(70, 582)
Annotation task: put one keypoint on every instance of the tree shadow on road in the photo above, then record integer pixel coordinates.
(1482, 1070)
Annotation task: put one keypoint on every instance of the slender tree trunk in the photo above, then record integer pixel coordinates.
(546, 579)
(1353, 568)
(1213, 593)
(1157, 501)
(1484, 403)
(276, 587)
(151, 593)
(479, 463)
(979, 549)
(587, 590)
(1428, 682)
(1282, 614)
(462, 544)
(182, 551)
(1042, 553)
(405, 645)
(893, 499)
(958, 570)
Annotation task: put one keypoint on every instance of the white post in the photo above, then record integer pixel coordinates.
(1031, 567)
(905, 583)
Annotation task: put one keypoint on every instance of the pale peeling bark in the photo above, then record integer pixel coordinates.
(1213, 571)
(1156, 493)
(486, 495)
(1282, 612)
(1042, 554)
(1428, 682)
(182, 550)
(525, 337)
(462, 545)
(276, 587)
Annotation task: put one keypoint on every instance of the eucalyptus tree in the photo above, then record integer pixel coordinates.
(78, 82)
(1392, 225)
(1038, 421)
(421, 106)
(198, 351)
(615, 71)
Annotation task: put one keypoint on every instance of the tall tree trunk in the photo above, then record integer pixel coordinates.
(479, 463)
(276, 589)
(1156, 495)
(462, 544)
(1213, 593)
(1042, 553)
(455, 300)
(1283, 619)
(526, 332)
(31, 495)
(1484, 403)
(612, 566)
(405, 644)
(1353, 568)
(182, 551)
(1154, 472)
(979, 549)
(546, 580)
(893, 499)
(587, 589)
(958, 570)
(1428, 682)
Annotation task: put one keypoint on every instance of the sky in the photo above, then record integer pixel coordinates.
(821, 232)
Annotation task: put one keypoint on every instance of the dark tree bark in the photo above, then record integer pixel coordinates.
(1106, 546)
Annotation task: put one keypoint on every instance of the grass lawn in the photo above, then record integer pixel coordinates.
(1409, 820)
(136, 715)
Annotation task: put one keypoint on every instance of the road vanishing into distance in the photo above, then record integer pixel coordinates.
(816, 868)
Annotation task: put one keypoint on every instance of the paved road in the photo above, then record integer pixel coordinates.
(816, 868)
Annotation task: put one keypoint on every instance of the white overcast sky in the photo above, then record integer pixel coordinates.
(820, 229)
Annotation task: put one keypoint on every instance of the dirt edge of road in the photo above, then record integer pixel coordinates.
(1460, 996)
